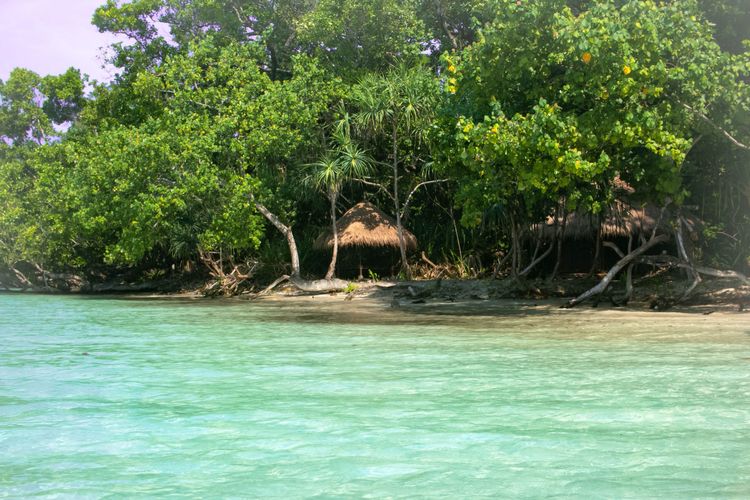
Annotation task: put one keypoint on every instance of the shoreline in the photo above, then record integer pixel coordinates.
(462, 297)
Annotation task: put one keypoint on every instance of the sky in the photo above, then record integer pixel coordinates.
(49, 36)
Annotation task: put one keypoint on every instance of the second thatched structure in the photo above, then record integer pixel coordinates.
(620, 220)
(622, 223)
(367, 237)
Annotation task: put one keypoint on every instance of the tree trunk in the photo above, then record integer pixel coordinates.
(629, 274)
(285, 230)
(597, 246)
(332, 266)
(399, 227)
(560, 236)
(622, 263)
(515, 264)
(536, 260)
(682, 252)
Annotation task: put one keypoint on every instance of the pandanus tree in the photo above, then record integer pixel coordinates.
(399, 106)
(341, 163)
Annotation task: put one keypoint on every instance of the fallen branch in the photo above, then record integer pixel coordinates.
(428, 261)
(718, 273)
(669, 261)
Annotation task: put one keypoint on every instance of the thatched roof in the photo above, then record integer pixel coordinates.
(364, 225)
(621, 219)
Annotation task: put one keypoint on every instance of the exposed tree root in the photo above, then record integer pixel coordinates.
(224, 283)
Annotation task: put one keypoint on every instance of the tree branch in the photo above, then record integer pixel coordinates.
(408, 198)
(375, 184)
(713, 124)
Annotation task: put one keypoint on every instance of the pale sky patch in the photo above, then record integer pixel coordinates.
(49, 36)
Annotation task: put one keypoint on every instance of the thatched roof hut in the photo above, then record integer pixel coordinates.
(621, 219)
(364, 225)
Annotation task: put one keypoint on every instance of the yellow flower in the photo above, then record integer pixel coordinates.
(626, 69)
(451, 69)
(586, 57)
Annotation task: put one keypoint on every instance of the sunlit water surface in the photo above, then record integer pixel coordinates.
(298, 399)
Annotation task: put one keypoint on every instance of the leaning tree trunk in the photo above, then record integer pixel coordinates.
(399, 227)
(285, 230)
(619, 266)
(332, 266)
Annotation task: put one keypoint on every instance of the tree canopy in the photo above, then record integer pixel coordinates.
(496, 114)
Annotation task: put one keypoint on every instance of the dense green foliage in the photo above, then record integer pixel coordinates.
(492, 113)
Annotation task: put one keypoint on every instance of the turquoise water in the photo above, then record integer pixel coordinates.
(298, 399)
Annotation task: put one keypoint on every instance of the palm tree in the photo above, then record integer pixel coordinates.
(345, 161)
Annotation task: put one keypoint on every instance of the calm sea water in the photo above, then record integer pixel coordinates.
(298, 399)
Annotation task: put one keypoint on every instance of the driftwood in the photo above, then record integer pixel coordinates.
(309, 286)
(601, 287)
(319, 286)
